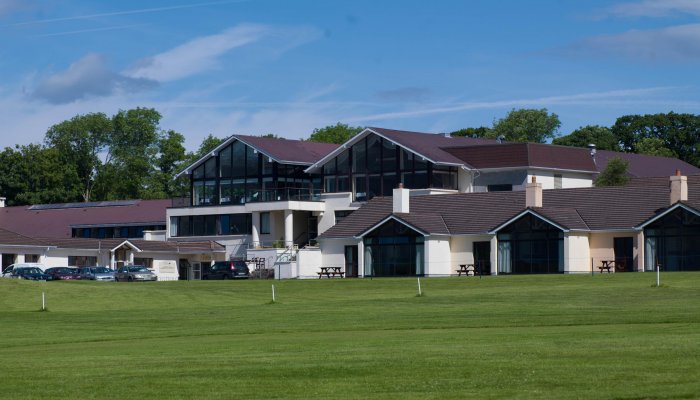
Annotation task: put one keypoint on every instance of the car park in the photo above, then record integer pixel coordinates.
(97, 273)
(131, 273)
(233, 269)
(29, 273)
(7, 272)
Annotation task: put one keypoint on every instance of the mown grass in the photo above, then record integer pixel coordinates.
(561, 337)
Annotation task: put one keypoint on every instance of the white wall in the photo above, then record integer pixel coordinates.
(309, 263)
(437, 256)
(577, 256)
(569, 179)
(332, 202)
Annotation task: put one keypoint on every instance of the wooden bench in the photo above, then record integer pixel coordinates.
(606, 265)
(329, 272)
(466, 269)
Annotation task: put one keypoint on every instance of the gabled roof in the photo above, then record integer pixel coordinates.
(56, 222)
(430, 146)
(283, 151)
(585, 209)
(663, 212)
(394, 217)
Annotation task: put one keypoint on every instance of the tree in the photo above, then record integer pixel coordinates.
(80, 141)
(654, 147)
(527, 125)
(338, 133)
(614, 174)
(601, 136)
(34, 174)
(480, 132)
(679, 133)
(208, 144)
(171, 157)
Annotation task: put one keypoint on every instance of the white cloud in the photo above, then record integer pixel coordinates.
(202, 54)
(673, 44)
(87, 77)
(655, 8)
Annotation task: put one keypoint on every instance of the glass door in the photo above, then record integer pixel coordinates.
(351, 265)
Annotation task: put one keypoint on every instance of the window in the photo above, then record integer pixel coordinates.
(82, 261)
(146, 262)
(341, 214)
(558, 181)
(265, 223)
(225, 162)
(236, 224)
(31, 258)
(173, 226)
(500, 188)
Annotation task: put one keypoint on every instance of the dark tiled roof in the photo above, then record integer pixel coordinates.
(641, 165)
(604, 208)
(567, 158)
(15, 239)
(56, 223)
(431, 145)
(144, 245)
(293, 151)
(525, 155)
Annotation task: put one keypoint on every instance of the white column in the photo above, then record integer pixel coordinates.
(255, 233)
(112, 263)
(288, 228)
(131, 257)
(494, 255)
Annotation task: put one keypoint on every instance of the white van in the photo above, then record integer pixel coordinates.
(8, 271)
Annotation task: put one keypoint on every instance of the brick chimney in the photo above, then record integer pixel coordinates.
(533, 194)
(679, 187)
(401, 199)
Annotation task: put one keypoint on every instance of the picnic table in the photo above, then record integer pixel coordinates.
(466, 269)
(606, 265)
(329, 272)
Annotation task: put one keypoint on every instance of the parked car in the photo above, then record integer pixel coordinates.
(96, 273)
(7, 272)
(63, 273)
(132, 273)
(234, 269)
(29, 273)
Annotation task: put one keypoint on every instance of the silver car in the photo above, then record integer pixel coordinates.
(131, 273)
(97, 273)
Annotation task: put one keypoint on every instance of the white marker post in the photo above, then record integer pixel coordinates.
(419, 291)
(273, 293)
(43, 301)
(658, 277)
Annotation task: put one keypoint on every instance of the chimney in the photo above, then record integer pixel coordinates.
(679, 188)
(533, 194)
(400, 196)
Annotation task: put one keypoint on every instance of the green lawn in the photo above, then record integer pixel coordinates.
(560, 337)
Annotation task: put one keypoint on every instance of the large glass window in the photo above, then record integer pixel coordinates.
(225, 162)
(530, 245)
(673, 242)
(236, 224)
(265, 223)
(394, 250)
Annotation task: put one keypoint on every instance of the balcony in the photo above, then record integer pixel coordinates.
(253, 196)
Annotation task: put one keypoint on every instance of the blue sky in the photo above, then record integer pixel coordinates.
(287, 67)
